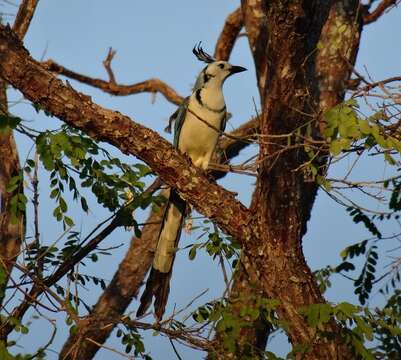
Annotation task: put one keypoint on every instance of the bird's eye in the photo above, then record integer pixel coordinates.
(221, 66)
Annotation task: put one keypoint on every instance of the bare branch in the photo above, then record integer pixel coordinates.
(123, 287)
(379, 11)
(24, 17)
(369, 86)
(110, 87)
(174, 334)
(107, 65)
(228, 35)
(238, 140)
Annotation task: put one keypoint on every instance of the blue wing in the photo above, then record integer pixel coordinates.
(178, 117)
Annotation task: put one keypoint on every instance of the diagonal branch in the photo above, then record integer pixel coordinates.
(24, 17)
(119, 293)
(77, 110)
(151, 85)
(379, 11)
(228, 35)
(132, 270)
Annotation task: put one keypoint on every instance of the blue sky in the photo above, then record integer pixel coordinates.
(155, 39)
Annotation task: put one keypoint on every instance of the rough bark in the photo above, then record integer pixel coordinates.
(309, 81)
(256, 26)
(284, 199)
(300, 80)
(11, 234)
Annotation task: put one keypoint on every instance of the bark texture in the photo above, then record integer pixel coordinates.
(11, 233)
(297, 83)
(284, 36)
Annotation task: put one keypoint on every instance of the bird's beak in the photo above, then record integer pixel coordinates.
(236, 69)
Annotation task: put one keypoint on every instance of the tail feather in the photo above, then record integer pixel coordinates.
(158, 283)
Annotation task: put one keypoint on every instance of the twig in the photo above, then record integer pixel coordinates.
(174, 348)
(176, 334)
(35, 201)
(107, 65)
(380, 9)
(110, 348)
(151, 85)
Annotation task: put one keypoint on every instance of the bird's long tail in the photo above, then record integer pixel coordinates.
(158, 283)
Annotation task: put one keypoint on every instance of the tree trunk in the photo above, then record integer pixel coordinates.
(11, 233)
(270, 234)
(297, 83)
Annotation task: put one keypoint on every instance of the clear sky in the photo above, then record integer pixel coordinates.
(155, 39)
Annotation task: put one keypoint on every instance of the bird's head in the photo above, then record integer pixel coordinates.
(221, 70)
(215, 71)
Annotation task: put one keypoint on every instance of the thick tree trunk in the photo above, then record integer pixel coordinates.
(283, 199)
(11, 233)
(271, 234)
(294, 78)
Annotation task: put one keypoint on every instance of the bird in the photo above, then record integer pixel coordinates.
(199, 121)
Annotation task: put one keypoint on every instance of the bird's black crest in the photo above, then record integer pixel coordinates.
(202, 55)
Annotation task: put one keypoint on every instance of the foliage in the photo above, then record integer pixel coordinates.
(80, 169)
(131, 339)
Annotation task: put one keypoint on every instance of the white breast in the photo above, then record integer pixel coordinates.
(197, 138)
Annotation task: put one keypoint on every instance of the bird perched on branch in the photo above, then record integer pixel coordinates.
(199, 121)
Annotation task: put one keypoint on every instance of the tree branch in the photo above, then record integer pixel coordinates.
(107, 65)
(77, 110)
(119, 293)
(228, 35)
(110, 87)
(24, 17)
(379, 11)
(132, 270)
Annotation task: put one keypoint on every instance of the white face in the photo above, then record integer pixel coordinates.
(220, 70)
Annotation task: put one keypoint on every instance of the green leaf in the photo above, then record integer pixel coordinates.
(8, 122)
(345, 266)
(4, 354)
(63, 205)
(346, 308)
(84, 204)
(336, 147)
(192, 253)
(68, 221)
